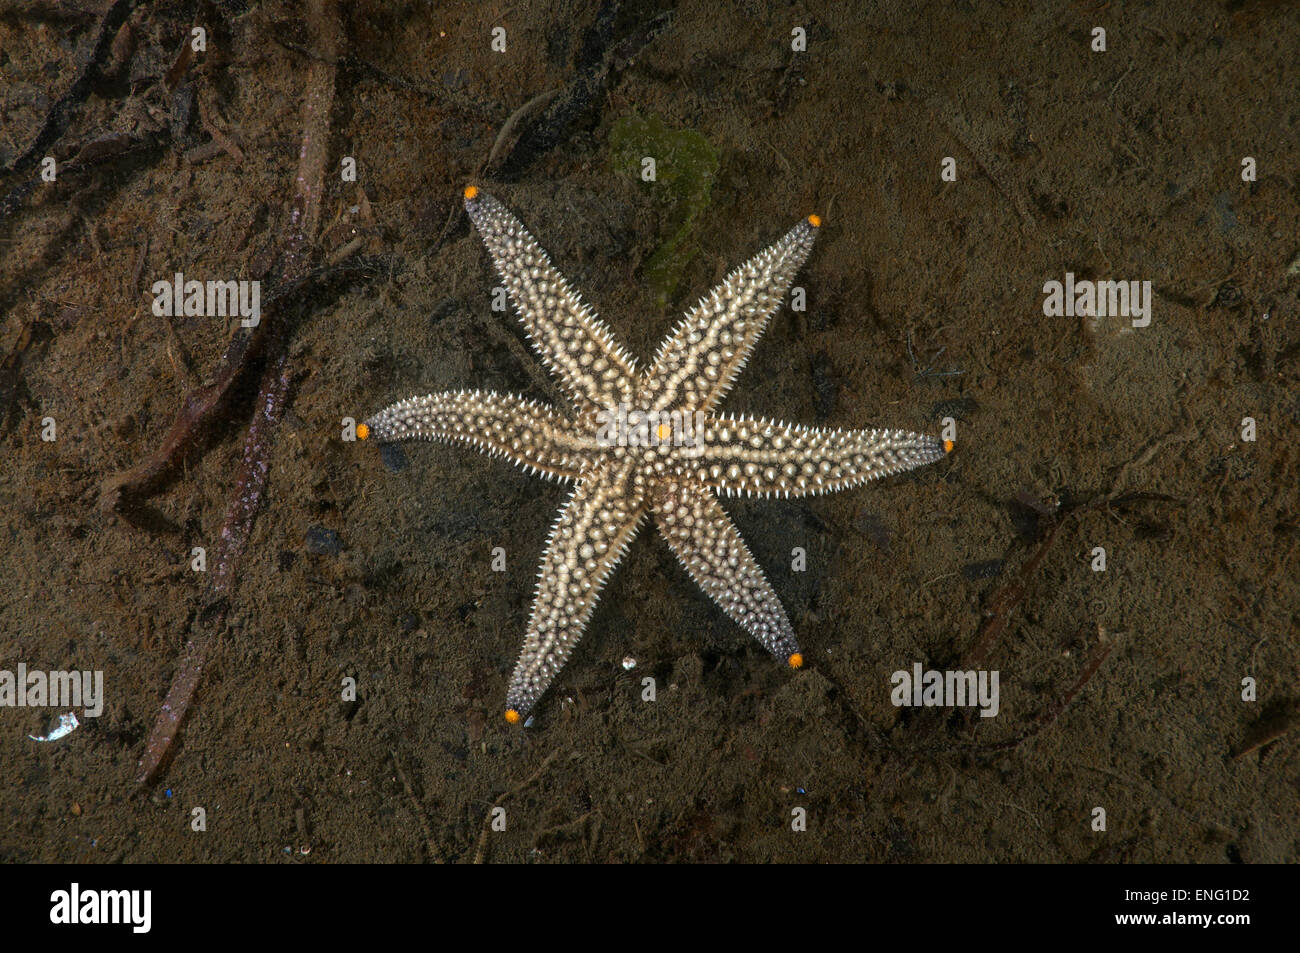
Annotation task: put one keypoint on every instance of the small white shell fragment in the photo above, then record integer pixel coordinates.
(67, 725)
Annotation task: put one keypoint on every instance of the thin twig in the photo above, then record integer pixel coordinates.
(273, 393)
(509, 127)
(1266, 733)
(481, 850)
(430, 840)
(60, 114)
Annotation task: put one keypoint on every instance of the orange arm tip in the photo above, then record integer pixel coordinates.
(512, 716)
(362, 431)
(815, 221)
(795, 660)
(471, 192)
(947, 446)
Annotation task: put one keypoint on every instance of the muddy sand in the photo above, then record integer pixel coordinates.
(1161, 690)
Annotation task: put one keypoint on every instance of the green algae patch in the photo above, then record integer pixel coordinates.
(685, 166)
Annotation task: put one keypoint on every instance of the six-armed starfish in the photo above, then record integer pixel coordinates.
(646, 442)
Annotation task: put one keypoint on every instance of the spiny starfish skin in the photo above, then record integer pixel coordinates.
(619, 482)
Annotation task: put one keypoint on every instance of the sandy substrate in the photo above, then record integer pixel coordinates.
(1120, 690)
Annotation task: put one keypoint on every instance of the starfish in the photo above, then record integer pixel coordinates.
(646, 442)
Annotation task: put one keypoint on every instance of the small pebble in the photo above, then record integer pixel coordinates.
(455, 80)
(323, 542)
(394, 459)
(988, 569)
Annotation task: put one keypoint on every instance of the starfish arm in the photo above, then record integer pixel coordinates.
(699, 360)
(527, 433)
(752, 456)
(709, 545)
(566, 334)
(599, 520)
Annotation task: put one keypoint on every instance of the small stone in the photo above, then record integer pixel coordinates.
(988, 569)
(323, 542)
(393, 457)
(875, 529)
